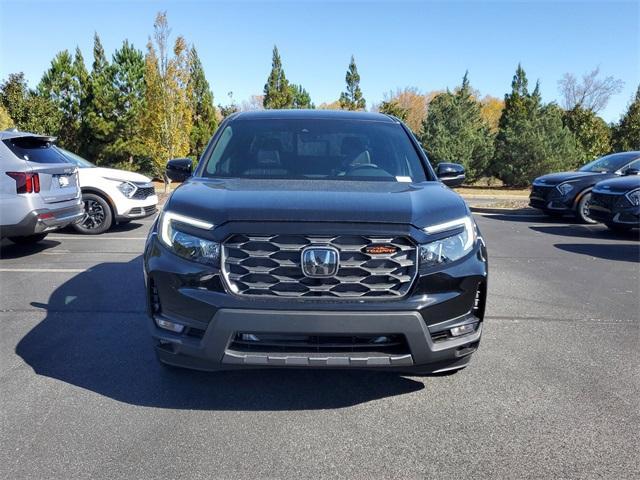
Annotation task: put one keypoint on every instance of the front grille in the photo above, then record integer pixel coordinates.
(606, 201)
(262, 265)
(143, 192)
(301, 343)
(541, 191)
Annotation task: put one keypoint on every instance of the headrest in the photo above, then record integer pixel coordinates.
(351, 146)
(268, 157)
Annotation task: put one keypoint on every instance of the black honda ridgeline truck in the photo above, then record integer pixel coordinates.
(315, 239)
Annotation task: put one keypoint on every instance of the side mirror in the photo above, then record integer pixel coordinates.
(631, 171)
(451, 174)
(179, 169)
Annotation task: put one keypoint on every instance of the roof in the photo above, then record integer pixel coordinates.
(13, 133)
(315, 114)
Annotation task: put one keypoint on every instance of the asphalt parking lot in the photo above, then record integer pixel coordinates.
(553, 391)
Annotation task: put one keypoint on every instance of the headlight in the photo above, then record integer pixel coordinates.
(634, 197)
(127, 189)
(450, 248)
(564, 188)
(185, 244)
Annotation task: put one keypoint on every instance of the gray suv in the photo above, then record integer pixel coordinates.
(39, 189)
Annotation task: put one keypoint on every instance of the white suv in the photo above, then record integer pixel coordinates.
(111, 196)
(38, 189)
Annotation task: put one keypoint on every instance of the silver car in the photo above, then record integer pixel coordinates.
(39, 190)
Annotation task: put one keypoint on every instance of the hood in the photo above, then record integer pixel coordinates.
(113, 174)
(553, 179)
(219, 201)
(618, 185)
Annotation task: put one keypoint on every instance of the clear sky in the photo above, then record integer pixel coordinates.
(428, 45)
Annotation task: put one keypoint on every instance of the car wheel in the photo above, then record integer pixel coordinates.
(582, 210)
(614, 227)
(28, 239)
(97, 215)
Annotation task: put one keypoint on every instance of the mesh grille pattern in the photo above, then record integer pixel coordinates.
(143, 192)
(271, 265)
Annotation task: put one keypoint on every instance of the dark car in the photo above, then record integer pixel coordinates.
(315, 239)
(557, 194)
(616, 202)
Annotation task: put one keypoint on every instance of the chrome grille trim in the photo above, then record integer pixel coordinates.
(269, 266)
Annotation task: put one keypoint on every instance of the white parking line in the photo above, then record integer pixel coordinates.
(510, 215)
(45, 270)
(70, 237)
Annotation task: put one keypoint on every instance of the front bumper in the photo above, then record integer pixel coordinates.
(215, 349)
(138, 212)
(629, 216)
(196, 297)
(44, 220)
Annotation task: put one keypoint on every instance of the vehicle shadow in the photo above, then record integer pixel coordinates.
(9, 250)
(118, 228)
(621, 253)
(530, 218)
(95, 336)
(587, 231)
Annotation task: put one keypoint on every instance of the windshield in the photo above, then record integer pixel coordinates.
(609, 163)
(77, 160)
(315, 149)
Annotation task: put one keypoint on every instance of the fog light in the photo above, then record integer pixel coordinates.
(167, 325)
(462, 330)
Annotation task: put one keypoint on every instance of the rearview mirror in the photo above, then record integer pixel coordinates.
(451, 174)
(632, 171)
(179, 169)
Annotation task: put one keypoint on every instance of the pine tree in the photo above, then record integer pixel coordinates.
(455, 131)
(167, 117)
(203, 111)
(531, 139)
(63, 84)
(99, 120)
(352, 98)
(301, 98)
(277, 92)
(126, 148)
(627, 132)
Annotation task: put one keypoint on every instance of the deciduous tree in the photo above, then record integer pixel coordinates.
(5, 119)
(167, 115)
(592, 134)
(590, 93)
(29, 111)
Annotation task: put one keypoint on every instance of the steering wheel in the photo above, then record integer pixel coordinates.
(368, 170)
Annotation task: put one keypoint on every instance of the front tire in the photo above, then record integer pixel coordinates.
(98, 217)
(582, 209)
(28, 239)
